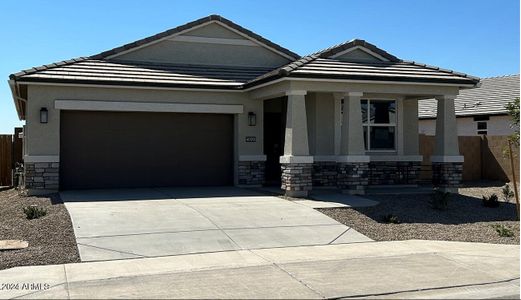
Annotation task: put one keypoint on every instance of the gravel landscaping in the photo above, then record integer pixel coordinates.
(51, 237)
(466, 219)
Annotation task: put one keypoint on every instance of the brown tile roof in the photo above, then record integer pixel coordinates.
(97, 69)
(145, 74)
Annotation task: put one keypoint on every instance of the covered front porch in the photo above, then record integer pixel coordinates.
(349, 136)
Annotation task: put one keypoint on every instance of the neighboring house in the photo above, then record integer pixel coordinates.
(478, 111)
(212, 103)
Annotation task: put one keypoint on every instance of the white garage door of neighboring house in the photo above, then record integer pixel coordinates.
(141, 149)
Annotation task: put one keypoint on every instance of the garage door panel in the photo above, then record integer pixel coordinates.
(127, 149)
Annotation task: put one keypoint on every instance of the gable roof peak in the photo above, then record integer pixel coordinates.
(188, 26)
(331, 51)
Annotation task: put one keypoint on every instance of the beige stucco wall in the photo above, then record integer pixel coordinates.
(321, 123)
(497, 125)
(185, 52)
(357, 55)
(44, 139)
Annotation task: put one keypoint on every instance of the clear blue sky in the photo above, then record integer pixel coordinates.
(479, 37)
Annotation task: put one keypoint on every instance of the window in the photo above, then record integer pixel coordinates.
(379, 122)
(482, 127)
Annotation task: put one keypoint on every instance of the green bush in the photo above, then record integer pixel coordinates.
(34, 212)
(492, 201)
(440, 200)
(503, 231)
(391, 219)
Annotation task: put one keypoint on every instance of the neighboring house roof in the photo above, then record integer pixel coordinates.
(95, 71)
(320, 65)
(488, 99)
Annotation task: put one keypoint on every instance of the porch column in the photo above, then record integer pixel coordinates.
(447, 163)
(353, 163)
(296, 163)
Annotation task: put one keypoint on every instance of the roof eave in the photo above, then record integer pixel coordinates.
(13, 86)
(30, 80)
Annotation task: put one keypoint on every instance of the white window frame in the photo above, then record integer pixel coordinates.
(368, 125)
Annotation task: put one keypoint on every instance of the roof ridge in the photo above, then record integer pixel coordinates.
(284, 70)
(189, 25)
(325, 53)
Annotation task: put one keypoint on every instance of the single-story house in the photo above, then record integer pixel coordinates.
(479, 111)
(212, 103)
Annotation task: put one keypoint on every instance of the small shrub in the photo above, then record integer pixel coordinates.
(440, 200)
(491, 201)
(508, 193)
(391, 219)
(34, 212)
(503, 231)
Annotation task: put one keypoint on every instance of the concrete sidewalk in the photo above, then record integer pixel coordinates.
(400, 269)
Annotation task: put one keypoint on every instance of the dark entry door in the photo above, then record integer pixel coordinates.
(273, 146)
(138, 149)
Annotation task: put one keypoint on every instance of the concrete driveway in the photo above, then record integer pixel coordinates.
(137, 223)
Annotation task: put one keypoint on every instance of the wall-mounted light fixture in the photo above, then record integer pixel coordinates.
(44, 115)
(252, 119)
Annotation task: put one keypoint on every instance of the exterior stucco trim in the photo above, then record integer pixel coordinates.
(447, 158)
(353, 158)
(41, 158)
(148, 107)
(252, 157)
(324, 158)
(396, 158)
(290, 159)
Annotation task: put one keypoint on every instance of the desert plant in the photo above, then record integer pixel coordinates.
(34, 212)
(503, 231)
(391, 219)
(440, 200)
(491, 201)
(508, 193)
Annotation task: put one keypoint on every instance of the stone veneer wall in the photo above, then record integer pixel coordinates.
(325, 173)
(42, 175)
(447, 174)
(353, 177)
(394, 172)
(296, 178)
(251, 172)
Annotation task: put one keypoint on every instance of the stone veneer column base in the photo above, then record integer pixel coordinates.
(325, 174)
(41, 177)
(296, 179)
(447, 176)
(353, 177)
(251, 173)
